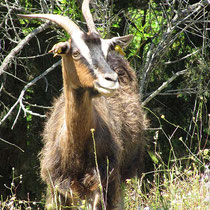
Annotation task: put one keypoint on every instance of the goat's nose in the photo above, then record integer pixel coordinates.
(112, 77)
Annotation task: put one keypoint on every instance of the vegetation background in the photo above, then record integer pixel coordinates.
(171, 55)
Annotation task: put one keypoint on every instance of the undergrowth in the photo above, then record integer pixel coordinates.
(12, 202)
(181, 183)
(172, 188)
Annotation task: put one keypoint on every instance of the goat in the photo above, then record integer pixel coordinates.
(100, 93)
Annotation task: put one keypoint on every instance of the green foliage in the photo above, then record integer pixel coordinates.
(145, 25)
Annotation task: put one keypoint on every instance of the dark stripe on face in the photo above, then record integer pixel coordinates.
(94, 44)
(92, 53)
(92, 38)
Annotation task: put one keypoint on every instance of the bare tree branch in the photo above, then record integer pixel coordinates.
(11, 144)
(164, 85)
(186, 56)
(20, 98)
(155, 53)
(5, 64)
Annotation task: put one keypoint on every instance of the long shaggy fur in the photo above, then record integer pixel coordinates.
(119, 138)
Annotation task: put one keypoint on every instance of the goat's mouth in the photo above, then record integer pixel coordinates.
(107, 88)
(107, 83)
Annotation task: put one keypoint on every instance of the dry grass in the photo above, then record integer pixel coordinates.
(173, 189)
(12, 202)
(181, 184)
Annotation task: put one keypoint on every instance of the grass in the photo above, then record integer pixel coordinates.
(172, 188)
(180, 184)
(12, 202)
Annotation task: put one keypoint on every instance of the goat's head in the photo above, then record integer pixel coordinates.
(89, 51)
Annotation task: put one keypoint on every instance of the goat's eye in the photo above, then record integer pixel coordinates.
(76, 55)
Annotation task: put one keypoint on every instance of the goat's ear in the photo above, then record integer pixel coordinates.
(61, 48)
(122, 41)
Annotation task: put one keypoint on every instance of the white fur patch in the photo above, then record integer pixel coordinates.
(82, 46)
(105, 44)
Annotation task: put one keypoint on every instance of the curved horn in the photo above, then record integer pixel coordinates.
(88, 17)
(68, 25)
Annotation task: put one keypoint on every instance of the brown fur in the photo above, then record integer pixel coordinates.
(84, 75)
(67, 158)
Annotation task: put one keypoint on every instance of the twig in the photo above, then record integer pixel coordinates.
(20, 98)
(34, 56)
(16, 77)
(11, 20)
(12, 144)
(165, 84)
(97, 169)
(19, 110)
(5, 64)
(186, 56)
(26, 102)
(155, 54)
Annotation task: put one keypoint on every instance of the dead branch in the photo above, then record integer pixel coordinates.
(5, 64)
(21, 96)
(164, 85)
(155, 53)
(11, 144)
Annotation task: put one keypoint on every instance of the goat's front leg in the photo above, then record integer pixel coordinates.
(60, 48)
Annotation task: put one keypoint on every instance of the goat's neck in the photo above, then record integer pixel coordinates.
(79, 118)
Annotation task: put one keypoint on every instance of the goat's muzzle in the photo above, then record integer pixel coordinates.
(106, 83)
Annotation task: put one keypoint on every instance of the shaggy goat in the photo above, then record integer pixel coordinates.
(100, 93)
